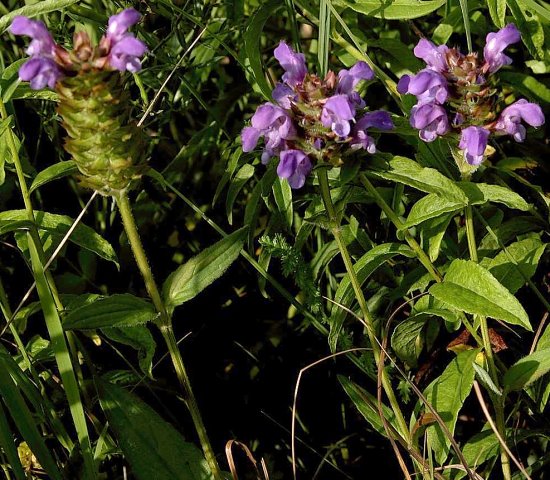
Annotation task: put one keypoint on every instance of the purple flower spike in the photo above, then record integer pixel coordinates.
(337, 114)
(294, 166)
(511, 117)
(435, 57)
(274, 124)
(496, 43)
(293, 63)
(428, 86)
(473, 143)
(125, 50)
(431, 120)
(42, 42)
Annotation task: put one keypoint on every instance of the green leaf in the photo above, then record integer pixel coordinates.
(497, 10)
(53, 172)
(364, 267)
(430, 206)
(446, 394)
(513, 274)
(122, 310)
(527, 85)
(7, 442)
(527, 370)
(530, 27)
(59, 225)
(33, 10)
(139, 338)
(432, 233)
(187, 281)
(366, 403)
(429, 180)
(152, 447)
(481, 193)
(24, 419)
(283, 198)
(235, 186)
(478, 449)
(472, 289)
(396, 9)
(251, 38)
(407, 341)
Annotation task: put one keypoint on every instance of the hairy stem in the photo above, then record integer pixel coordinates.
(164, 323)
(498, 402)
(367, 316)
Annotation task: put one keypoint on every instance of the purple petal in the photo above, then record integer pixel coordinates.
(428, 86)
(348, 79)
(435, 57)
(40, 72)
(403, 84)
(249, 137)
(473, 142)
(496, 42)
(294, 165)
(120, 23)
(293, 63)
(283, 95)
(511, 117)
(377, 119)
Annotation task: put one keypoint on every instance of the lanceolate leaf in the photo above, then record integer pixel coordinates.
(446, 394)
(472, 289)
(199, 272)
(430, 206)
(396, 9)
(53, 172)
(480, 193)
(497, 10)
(59, 225)
(366, 403)
(527, 370)
(429, 180)
(123, 310)
(153, 448)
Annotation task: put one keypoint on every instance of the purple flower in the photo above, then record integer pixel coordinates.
(293, 63)
(435, 57)
(125, 50)
(337, 114)
(359, 137)
(428, 86)
(496, 43)
(511, 117)
(41, 69)
(348, 80)
(431, 120)
(473, 142)
(294, 166)
(274, 124)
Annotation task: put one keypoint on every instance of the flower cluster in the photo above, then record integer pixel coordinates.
(49, 62)
(312, 117)
(457, 92)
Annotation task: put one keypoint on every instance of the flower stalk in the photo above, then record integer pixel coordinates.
(164, 323)
(334, 223)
